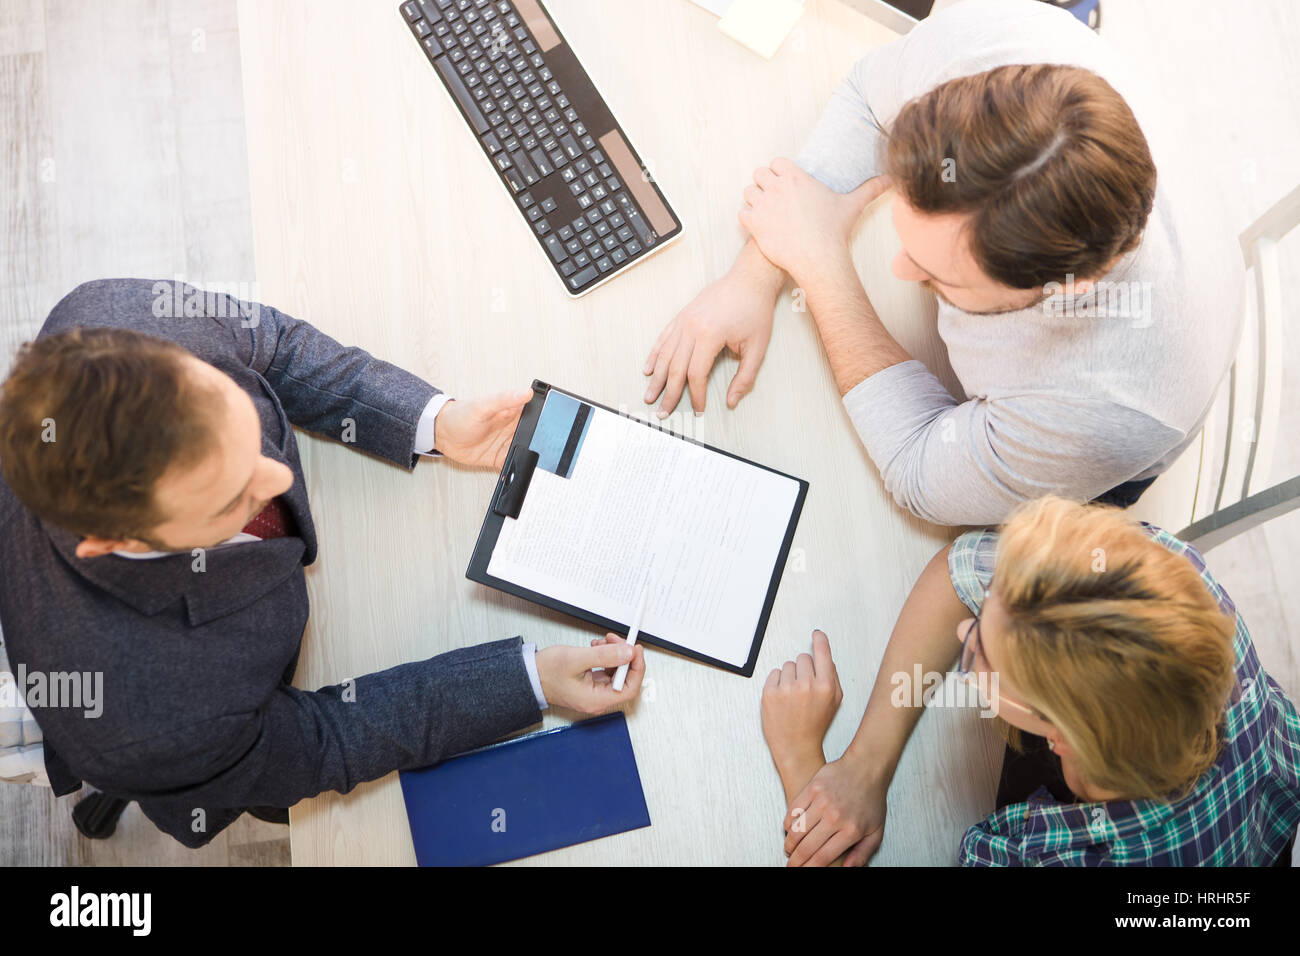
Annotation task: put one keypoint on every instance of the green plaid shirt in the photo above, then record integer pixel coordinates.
(1242, 811)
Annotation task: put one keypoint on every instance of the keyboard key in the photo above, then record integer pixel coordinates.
(571, 148)
(568, 268)
(556, 249)
(526, 200)
(573, 245)
(588, 238)
(411, 10)
(642, 230)
(539, 160)
(603, 264)
(582, 278)
(492, 143)
(581, 259)
(618, 255)
(431, 46)
(525, 167)
(542, 227)
(461, 94)
(633, 247)
(566, 233)
(548, 205)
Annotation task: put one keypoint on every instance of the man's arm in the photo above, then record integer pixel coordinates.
(324, 385)
(300, 743)
(857, 343)
(972, 463)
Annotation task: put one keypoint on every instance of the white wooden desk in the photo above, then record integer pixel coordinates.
(376, 218)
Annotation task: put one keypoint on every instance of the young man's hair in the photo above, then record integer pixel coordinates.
(91, 418)
(1118, 642)
(1048, 161)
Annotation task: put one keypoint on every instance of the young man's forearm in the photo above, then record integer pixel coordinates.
(857, 344)
(925, 634)
(758, 269)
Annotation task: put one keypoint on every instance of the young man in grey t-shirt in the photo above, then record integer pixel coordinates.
(1089, 309)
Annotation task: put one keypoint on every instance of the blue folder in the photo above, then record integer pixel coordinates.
(528, 795)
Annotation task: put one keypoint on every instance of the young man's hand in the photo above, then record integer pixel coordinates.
(478, 431)
(581, 678)
(734, 312)
(797, 222)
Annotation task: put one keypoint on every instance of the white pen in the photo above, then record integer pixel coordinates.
(620, 675)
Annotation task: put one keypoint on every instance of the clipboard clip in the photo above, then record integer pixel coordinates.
(512, 486)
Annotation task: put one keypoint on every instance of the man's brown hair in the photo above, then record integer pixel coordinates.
(1048, 161)
(90, 419)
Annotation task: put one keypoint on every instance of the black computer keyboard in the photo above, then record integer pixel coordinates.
(574, 175)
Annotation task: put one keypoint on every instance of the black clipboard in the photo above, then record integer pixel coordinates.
(512, 488)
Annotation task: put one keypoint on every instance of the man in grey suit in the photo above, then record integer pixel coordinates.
(154, 526)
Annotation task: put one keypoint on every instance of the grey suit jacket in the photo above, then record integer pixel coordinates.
(199, 717)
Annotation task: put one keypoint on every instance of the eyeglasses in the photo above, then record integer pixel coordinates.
(971, 650)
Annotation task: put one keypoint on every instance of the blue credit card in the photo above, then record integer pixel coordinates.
(525, 796)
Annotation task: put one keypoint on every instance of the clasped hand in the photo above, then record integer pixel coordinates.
(797, 222)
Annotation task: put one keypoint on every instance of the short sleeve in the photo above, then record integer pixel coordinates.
(971, 560)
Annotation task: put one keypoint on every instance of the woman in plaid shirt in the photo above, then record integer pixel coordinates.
(1141, 728)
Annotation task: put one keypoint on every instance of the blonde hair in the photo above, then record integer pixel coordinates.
(1117, 641)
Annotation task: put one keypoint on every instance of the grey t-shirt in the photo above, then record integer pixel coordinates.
(1056, 402)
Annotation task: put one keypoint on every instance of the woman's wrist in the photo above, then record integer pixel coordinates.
(872, 764)
(796, 769)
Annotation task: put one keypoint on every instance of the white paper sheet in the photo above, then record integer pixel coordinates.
(642, 508)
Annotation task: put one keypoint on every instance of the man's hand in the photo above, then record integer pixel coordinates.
(573, 678)
(478, 431)
(841, 810)
(799, 702)
(734, 312)
(796, 221)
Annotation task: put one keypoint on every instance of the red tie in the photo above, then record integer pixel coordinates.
(273, 521)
